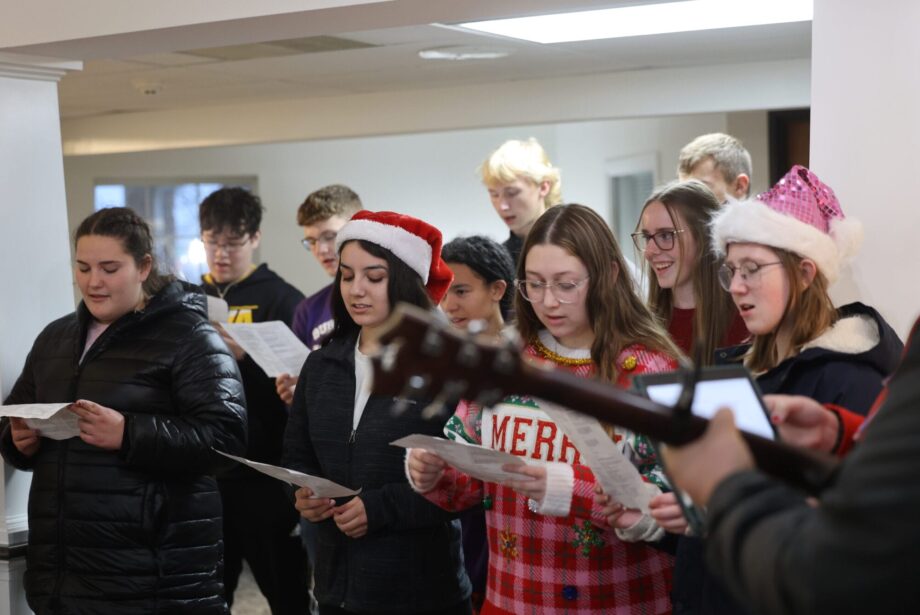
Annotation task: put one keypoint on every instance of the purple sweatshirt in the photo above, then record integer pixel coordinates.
(313, 318)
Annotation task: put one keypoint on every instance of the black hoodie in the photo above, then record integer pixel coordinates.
(259, 297)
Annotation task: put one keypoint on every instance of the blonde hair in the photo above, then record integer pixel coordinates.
(809, 311)
(728, 155)
(522, 159)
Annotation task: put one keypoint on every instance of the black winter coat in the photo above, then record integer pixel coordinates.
(854, 553)
(410, 559)
(841, 367)
(136, 530)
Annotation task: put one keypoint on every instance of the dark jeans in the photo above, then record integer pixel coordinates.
(463, 608)
(259, 518)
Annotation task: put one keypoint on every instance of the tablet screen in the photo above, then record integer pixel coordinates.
(736, 393)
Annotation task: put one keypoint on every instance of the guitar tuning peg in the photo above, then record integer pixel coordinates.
(433, 342)
(468, 356)
(446, 400)
(488, 398)
(388, 355)
(512, 337)
(476, 326)
(415, 387)
(399, 408)
(434, 408)
(505, 361)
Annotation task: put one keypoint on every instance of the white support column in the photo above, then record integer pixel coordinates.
(35, 257)
(865, 142)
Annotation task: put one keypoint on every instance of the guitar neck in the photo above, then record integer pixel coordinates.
(799, 467)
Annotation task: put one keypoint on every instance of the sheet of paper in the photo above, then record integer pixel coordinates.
(51, 420)
(615, 473)
(272, 345)
(322, 487)
(218, 310)
(477, 461)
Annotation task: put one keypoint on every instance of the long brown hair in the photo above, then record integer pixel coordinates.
(809, 310)
(691, 206)
(617, 315)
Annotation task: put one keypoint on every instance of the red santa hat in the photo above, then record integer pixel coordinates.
(800, 214)
(413, 241)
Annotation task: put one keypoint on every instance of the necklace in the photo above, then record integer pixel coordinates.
(226, 289)
(555, 357)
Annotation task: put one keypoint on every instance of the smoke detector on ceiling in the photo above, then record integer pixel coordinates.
(147, 88)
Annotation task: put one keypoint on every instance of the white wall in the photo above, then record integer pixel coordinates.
(865, 139)
(35, 264)
(432, 175)
(650, 93)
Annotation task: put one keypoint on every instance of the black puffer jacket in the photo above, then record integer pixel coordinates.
(136, 530)
(845, 365)
(410, 559)
(259, 297)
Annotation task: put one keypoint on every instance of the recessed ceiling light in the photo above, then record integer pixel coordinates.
(641, 20)
(463, 52)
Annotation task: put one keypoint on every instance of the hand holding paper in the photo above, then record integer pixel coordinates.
(54, 421)
(477, 461)
(312, 508)
(98, 425)
(25, 440)
(272, 345)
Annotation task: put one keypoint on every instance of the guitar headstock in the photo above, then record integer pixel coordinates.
(422, 356)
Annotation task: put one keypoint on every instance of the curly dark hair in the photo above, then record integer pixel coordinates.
(236, 210)
(489, 259)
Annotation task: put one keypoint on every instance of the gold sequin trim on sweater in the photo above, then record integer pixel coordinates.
(556, 357)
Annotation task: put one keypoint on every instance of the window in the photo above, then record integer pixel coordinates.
(632, 180)
(171, 210)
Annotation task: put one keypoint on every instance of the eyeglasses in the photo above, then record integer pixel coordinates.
(750, 273)
(230, 247)
(663, 239)
(564, 292)
(327, 238)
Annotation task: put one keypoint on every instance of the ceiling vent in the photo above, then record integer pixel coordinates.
(274, 49)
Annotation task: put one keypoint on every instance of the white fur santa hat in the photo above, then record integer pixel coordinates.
(413, 241)
(800, 214)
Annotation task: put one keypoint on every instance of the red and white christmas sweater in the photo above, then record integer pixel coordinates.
(565, 558)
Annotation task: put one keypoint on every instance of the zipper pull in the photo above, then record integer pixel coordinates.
(351, 438)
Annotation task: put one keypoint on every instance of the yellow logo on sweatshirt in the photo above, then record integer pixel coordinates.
(241, 313)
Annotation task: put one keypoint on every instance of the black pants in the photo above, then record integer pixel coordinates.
(258, 520)
(463, 608)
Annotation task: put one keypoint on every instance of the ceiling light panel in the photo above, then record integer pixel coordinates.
(647, 19)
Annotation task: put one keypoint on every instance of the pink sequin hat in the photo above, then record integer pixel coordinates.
(799, 214)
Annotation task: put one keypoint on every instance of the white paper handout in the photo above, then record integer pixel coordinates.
(272, 345)
(51, 420)
(218, 309)
(322, 487)
(615, 473)
(477, 461)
